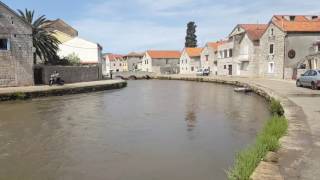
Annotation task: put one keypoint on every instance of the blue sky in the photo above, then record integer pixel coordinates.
(136, 25)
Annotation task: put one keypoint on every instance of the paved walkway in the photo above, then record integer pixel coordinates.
(65, 89)
(300, 152)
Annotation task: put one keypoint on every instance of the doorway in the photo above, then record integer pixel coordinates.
(230, 70)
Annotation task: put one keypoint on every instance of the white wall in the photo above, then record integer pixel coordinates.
(208, 51)
(146, 64)
(88, 52)
(187, 63)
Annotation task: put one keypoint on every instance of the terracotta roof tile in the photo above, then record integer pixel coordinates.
(300, 23)
(194, 52)
(215, 45)
(162, 54)
(254, 31)
(113, 57)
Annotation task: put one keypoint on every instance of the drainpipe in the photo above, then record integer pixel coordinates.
(284, 57)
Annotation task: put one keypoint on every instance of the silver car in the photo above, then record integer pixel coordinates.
(311, 78)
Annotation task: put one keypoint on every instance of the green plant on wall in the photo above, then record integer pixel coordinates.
(73, 59)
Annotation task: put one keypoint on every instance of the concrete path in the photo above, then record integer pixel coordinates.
(45, 90)
(300, 152)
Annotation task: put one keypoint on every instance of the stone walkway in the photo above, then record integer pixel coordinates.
(45, 90)
(300, 152)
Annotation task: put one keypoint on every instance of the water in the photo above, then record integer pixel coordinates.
(151, 130)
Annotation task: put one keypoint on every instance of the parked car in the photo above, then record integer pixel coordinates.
(203, 72)
(311, 78)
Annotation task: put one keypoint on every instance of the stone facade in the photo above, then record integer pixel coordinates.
(208, 59)
(224, 57)
(272, 63)
(161, 62)
(133, 59)
(16, 49)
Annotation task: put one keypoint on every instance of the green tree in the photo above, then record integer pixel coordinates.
(191, 38)
(73, 59)
(46, 45)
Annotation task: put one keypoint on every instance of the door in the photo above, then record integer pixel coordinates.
(230, 70)
(303, 78)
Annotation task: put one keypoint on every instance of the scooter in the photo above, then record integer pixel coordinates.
(57, 81)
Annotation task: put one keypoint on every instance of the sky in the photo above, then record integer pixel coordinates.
(122, 26)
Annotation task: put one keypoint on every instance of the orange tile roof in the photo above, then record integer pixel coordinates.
(300, 24)
(215, 45)
(194, 52)
(254, 31)
(113, 57)
(162, 54)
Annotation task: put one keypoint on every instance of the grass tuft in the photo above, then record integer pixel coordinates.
(268, 140)
(276, 108)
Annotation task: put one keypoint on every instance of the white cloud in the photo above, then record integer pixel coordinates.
(127, 25)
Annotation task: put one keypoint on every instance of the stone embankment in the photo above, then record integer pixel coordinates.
(14, 93)
(299, 155)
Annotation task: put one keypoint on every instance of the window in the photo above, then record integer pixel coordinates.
(230, 52)
(292, 18)
(192, 68)
(207, 57)
(271, 49)
(167, 61)
(120, 64)
(4, 44)
(225, 53)
(318, 47)
(271, 67)
(244, 65)
(271, 32)
(114, 64)
(314, 17)
(225, 67)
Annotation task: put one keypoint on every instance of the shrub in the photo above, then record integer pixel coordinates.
(276, 108)
(73, 59)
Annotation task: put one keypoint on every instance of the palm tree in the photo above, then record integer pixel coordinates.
(46, 45)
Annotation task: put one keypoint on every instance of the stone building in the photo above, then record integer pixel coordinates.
(209, 57)
(190, 60)
(246, 49)
(285, 43)
(61, 26)
(16, 49)
(116, 63)
(161, 62)
(134, 60)
(224, 58)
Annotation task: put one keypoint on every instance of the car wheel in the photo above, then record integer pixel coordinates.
(314, 86)
(298, 83)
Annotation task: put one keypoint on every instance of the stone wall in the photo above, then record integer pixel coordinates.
(277, 58)
(16, 62)
(71, 74)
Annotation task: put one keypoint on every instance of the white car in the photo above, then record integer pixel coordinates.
(311, 78)
(203, 72)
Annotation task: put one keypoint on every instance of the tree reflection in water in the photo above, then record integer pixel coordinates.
(191, 120)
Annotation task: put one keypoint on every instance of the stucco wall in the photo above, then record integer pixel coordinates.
(187, 63)
(133, 62)
(16, 63)
(72, 74)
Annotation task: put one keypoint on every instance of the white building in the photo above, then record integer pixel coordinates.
(190, 60)
(88, 52)
(161, 62)
(115, 63)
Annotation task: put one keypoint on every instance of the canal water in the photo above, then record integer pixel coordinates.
(151, 130)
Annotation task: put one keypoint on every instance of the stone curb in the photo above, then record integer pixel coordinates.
(76, 88)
